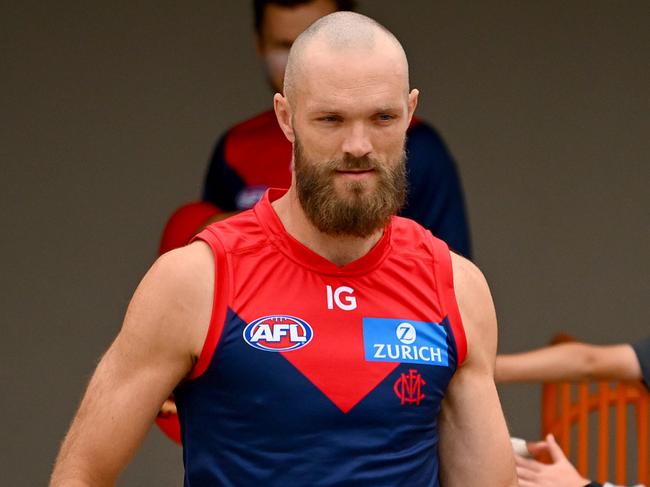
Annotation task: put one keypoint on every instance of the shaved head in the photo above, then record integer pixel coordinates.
(341, 33)
(346, 108)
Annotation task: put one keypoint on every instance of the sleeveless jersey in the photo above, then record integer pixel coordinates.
(313, 374)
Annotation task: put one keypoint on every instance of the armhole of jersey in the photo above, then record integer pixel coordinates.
(445, 281)
(219, 302)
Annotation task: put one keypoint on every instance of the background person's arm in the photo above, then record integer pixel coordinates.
(569, 362)
(154, 350)
(472, 426)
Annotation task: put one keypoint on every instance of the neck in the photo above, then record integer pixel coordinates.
(340, 249)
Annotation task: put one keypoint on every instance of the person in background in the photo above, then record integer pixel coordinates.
(559, 473)
(254, 155)
(571, 361)
(575, 361)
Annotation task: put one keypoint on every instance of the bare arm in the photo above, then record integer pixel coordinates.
(570, 362)
(161, 335)
(472, 426)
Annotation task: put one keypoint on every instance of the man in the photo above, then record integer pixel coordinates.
(255, 155)
(312, 340)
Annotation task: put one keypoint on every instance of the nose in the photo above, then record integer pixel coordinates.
(357, 142)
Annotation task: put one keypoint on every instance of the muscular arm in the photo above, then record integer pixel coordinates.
(161, 335)
(474, 442)
(570, 362)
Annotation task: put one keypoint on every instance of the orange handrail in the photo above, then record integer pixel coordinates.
(561, 414)
(621, 433)
(603, 431)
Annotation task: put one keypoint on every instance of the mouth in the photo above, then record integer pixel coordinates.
(355, 171)
(355, 174)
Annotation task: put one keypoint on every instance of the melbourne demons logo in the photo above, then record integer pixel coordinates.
(278, 333)
(408, 387)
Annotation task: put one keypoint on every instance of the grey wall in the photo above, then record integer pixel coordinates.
(109, 113)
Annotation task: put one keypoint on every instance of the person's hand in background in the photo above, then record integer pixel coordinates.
(559, 473)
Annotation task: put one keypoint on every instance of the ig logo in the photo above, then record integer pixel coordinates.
(346, 303)
(405, 333)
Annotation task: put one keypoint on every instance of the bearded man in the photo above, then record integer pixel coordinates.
(316, 339)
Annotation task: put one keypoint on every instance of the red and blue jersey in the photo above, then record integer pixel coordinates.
(314, 374)
(255, 155)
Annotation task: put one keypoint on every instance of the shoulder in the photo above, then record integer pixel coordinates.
(170, 309)
(468, 278)
(252, 127)
(407, 228)
(421, 128)
(236, 232)
(476, 307)
(248, 130)
(471, 287)
(422, 134)
(427, 151)
(182, 273)
(407, 235)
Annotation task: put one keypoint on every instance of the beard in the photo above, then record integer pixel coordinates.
(362, 209)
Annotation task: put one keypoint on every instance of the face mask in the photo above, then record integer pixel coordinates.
(275, 62)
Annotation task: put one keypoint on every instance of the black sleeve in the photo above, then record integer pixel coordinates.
(222, 183)
(642, 350)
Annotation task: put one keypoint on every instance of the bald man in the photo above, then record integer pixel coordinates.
(316, 339)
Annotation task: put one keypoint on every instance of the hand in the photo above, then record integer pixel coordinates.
(559, 473)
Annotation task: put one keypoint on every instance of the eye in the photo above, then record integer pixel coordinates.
(385, 117)
(329, 118)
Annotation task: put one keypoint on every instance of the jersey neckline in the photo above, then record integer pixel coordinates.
(303, 255)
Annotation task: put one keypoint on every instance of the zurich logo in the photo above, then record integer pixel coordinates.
(406, 333)
(278, 333)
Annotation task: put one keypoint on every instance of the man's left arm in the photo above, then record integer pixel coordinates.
(474, 441)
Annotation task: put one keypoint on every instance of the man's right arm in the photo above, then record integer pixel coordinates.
(162, 334)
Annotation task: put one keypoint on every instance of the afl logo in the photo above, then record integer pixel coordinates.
(277, 333)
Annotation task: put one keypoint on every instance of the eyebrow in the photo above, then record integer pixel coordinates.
(385, 109)
(328, 111)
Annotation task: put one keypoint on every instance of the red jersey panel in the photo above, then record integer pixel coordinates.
(314, 374)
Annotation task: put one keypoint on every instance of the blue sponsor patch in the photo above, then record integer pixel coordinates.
(396, 340)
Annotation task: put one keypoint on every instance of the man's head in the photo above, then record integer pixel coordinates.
(346, 107)
(279, 22)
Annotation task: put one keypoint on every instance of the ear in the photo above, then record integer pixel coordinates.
(412, 103)
(283, 114)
